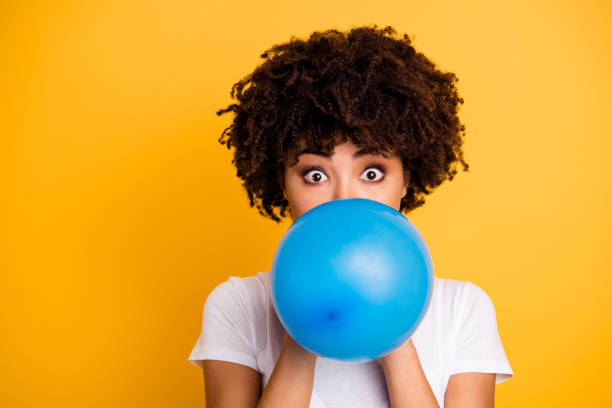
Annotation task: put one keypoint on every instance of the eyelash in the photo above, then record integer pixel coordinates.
(374, 165)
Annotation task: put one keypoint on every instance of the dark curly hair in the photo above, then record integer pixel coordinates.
(366, 85)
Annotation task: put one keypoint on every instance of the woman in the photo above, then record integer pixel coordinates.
(340, 115)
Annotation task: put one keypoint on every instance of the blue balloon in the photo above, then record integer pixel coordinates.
(351, 279)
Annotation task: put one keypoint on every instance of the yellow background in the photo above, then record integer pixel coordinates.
(120, 211)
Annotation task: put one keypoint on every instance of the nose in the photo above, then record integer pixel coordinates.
(344, 189)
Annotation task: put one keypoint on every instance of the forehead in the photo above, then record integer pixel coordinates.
(328, 147)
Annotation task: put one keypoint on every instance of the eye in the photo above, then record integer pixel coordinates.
(314, 175)
(374, 171)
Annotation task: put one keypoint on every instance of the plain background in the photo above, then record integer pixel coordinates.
(120, 211)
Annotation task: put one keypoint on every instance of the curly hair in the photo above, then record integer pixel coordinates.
(366, 85)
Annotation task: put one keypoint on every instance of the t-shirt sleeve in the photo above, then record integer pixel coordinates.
(227, 330)
(477, 346)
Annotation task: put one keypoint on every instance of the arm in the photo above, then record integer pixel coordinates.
(292, 379)
(473, 390)
(230, 385)
(406, 382)
(477, 349)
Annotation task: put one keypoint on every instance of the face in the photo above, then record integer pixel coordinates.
(346, 173)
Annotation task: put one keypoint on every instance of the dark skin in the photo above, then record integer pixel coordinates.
(312, 181)
(365, 85)
(345, 175)
(332, 93)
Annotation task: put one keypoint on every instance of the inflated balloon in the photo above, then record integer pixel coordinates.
(351, 279)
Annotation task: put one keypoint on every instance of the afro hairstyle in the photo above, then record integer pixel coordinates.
(367, 85)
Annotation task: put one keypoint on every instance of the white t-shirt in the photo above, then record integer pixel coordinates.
(457, 334)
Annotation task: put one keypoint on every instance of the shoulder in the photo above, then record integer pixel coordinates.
(457, 292)
(233, 328)
(463, 302)
(248, 289)
(475, 343)
(242, 300)
(468, 312)
(237, 306)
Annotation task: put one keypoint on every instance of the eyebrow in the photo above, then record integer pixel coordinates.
(359, 153)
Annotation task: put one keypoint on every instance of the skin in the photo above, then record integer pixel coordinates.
(318, 178)
(344, 176)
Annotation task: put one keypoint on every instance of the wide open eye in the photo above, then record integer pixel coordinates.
(314, 175)
(374, 173)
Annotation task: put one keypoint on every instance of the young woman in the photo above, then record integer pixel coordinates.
(340, 115)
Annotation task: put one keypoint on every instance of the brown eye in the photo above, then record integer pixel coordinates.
(315, 176)
(373, 174)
